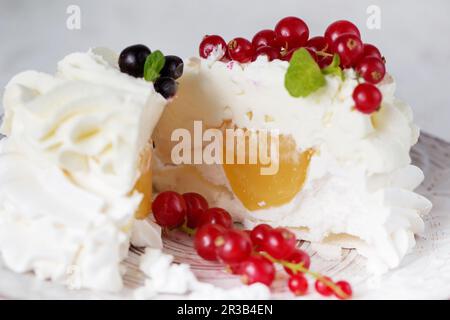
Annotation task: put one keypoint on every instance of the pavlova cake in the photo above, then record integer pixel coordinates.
(342, 177)
(75, 177)
(294, 137)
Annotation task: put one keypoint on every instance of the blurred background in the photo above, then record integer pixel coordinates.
(413, 35)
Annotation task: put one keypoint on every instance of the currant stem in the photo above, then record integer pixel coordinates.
(323, 54)
(187, 230)
(299, 268)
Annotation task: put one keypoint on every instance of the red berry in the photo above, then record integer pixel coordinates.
(196, 205)
(313, 53)
(204, 241)
(258, 234)
(287, 56)
(235, 268)
(279, 243)
(297, 257)
(216, 216)
(258, 269)
(370, 50)
(338, 28)
(269, 52)
(350, 49)
(241, 50)
(346, 288)
(233, 246)
(318, 44)
(298, 284)
(325, 61)
(292, 32)
(265, 38)
(367, 98)
(372, 69)
(323, 288)
(169, 209)
(209, 43)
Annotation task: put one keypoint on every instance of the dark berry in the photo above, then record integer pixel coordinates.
(173, 67)
(166, 86)
(132, 60)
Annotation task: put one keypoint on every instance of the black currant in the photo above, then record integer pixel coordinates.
(173, 67)
(132, 60)
(166, 86)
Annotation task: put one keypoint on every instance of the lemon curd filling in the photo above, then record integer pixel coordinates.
(259, 191)
(144, 184)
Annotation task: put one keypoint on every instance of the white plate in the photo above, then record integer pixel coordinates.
(424, 274)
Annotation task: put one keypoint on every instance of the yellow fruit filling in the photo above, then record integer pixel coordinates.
(144, 184)
(258, 191)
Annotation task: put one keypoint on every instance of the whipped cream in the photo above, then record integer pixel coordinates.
(165, 277)
(359, 188)
(68, 168)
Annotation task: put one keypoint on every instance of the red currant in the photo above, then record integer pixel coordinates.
(287, 56)
(325, 61)
(258, 234)
(318, 44)
(216, 216)
(265, 38)
(350, 49)
(269, 52)
(371, 51)
(233, 246)
(204, 241)
(196, 205)
(346, 288)
(279, 243)
(371, 69)
(338, 28)
(298, 284)
(235, 268)
(367, 98)
(297, 257)
(258, 269)
(292, 32)
(323, 288)
(241, 50)
(209, 43)
(169, 209)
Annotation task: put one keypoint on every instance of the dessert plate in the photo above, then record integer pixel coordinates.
(423, 274)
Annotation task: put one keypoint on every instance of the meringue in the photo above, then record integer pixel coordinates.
(358, 183)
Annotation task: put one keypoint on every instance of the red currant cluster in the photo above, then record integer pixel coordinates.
(252, 254)
(341, 37)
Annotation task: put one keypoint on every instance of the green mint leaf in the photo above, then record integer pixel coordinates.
(303, 76)
(153, 65)
(334, 67)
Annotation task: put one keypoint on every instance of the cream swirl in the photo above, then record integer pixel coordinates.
(69, 165)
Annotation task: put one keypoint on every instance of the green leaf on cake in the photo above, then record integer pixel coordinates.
(303, 76)
(153, 65)
(334, 68)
